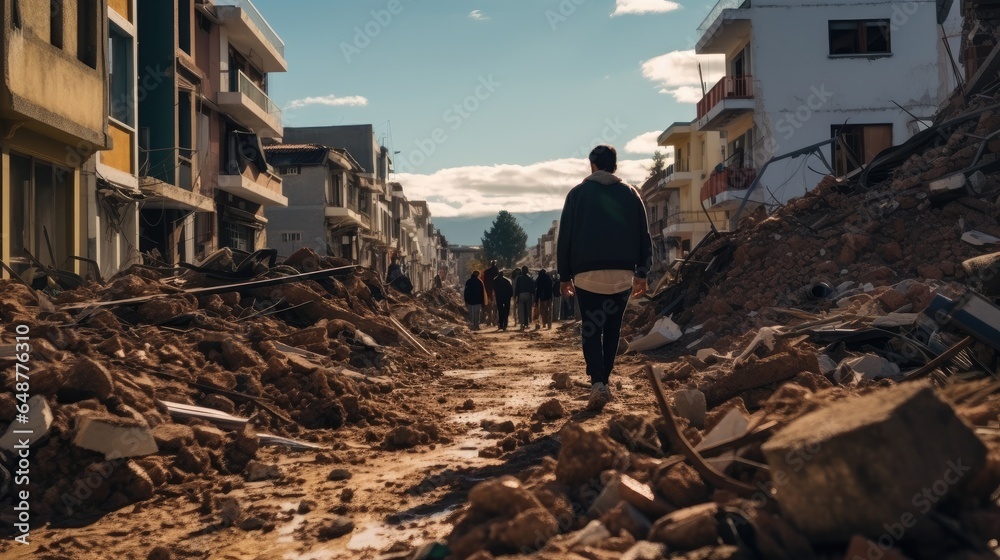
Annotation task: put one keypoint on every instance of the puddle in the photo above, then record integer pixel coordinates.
(380, 535)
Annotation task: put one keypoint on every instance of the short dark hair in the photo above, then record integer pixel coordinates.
(605, 157)
(524, 268)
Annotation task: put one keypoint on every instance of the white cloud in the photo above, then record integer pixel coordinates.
(330, 101)
(484, 190)
(677, 73)
(623, 7)
(478, 15)
(643, 144)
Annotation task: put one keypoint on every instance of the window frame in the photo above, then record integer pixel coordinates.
(861, 27)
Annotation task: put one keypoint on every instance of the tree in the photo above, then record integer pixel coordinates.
(505, 241)
(659, 164)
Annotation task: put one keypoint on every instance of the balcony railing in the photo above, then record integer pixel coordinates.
(681, 166)
(717, 10)
(246, 86)
(258, 20)
(678, 218)
(729, 87)
(730, 179)
(656, 227)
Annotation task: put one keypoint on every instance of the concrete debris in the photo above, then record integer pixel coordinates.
(257, 471)
(37, 427)
(691, 404)
(664, 332)
(869, 366)
(850, 466)
(734, 424)
(114, 436)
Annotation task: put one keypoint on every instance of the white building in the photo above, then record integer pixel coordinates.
(798, 72)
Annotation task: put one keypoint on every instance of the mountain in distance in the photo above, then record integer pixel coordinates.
(469, 230)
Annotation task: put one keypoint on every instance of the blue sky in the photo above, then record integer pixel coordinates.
(491, 103)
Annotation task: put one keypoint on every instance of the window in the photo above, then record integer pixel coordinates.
(336, 197)
(290, 170)
(290, 237)
(120, 75)
(858, 145)
(41, 201)
(56, 23)
(859, 37)
(184, 25)
(87, 24)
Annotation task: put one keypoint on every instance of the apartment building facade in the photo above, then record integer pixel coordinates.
(802, 72)
(53, 119)
(203, 112)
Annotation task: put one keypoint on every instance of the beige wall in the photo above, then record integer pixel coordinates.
(49, 89)
(120, 156)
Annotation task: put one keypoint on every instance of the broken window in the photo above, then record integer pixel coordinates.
(853, 37)
(858, 145)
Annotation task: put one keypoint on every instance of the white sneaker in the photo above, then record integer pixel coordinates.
(599, 397)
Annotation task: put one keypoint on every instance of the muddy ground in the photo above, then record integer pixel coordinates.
(485, 408)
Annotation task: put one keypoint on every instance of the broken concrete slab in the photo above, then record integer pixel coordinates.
(691, 404)
(689, 528)
(114, 436)
(869, 366)
(733, 425)
(664, 332)
(641, 496)
(38, 425)
(257, 471)
(860, 463)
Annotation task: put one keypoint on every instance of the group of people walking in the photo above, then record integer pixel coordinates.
(489, 297)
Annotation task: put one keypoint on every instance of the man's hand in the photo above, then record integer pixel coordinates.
(566, 289)
(639, 286)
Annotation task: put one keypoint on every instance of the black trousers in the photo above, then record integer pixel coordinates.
(602, 327)
(503, 312)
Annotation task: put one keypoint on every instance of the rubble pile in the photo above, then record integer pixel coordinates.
(155, 378)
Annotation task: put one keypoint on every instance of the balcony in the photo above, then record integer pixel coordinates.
(338, 216)
(726, 26)
(679, 176)
(685, 222)
(252, 107)
(726, 190)
(728, 99)
(656, 228)
(677, 134)
(250, 33)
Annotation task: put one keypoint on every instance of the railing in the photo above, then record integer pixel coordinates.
(258, 20)
(656, 227)
(730, 179)
(678, 218)
(717, 10)
(729, 87)
(681, 166)
(246, 86)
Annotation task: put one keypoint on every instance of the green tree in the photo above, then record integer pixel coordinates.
(659, 164)
(505, 241)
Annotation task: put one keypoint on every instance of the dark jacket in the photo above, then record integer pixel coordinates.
(502, 290)
(556, 287)
(474, 292)
(543, 287)
(489, 275)
(524, 284)
(603, 227)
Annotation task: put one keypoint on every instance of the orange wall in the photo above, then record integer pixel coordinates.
(120, 156)
(123, 7)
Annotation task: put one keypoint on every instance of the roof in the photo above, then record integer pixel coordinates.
(281, 155)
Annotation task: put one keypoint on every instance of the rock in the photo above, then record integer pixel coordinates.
(645, 550)
(159, 553)
(624, 517)
(334, 528)
(889, 455)
(238, 356)
(136, 483)
(687, 529)
(114, 436)
(681, 485)
(469, 404)
(252, 524)
(339, 474)
(585, 454)
(346, 495)
(755, 373)
(561, 380)
(229, 510)
(404, 437)
(85, 380)
(690, 404)
(504, 496)
(38, 425)
(257, 471)
(591, 535)
(209, 436)
(164, 309)
(529, 530)
(551, 409)
(171, 437)
(892, 299)
(642, 497)
(732, 425)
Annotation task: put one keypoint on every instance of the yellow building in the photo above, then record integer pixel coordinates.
(683, 222)
(53, 119)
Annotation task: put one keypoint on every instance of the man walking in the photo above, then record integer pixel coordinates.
(604, 252)
(524, 290)
(556, 297)
(503, 292)
(475, 295)
(489, 275)
(543, 293)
